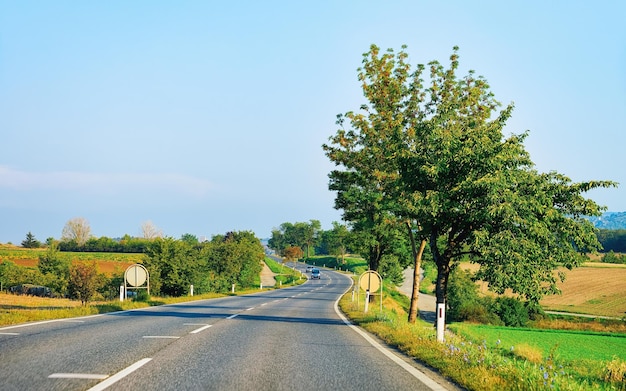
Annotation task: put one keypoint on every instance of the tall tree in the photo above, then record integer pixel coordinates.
(367, 179)
(30, 241)
(307, 234)
(303, 235)
(337, 240)
(476, 193)
(150, 231)
(433, 156)
(77, 230)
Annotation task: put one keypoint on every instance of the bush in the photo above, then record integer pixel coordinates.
(511, 311)
(463, 300)
(142, 295)
(611, 257)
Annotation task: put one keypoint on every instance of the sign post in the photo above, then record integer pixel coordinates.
(371, 282)
(136, 276)
(441, 321)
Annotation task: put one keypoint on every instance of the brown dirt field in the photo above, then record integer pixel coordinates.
(106, 267)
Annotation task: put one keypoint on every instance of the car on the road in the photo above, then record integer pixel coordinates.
(309, 269)
(315, 273)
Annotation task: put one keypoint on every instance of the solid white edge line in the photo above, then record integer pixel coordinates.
(200, 329)
(120, 375)
(430, 383)
(91, 376)
(9, 333)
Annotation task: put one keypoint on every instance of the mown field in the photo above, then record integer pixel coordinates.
(594, 288)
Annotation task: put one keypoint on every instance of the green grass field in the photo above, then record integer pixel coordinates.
(562, 345)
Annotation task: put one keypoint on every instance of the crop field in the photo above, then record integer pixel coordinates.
(108, 263)
(594, 288)
(597, 289)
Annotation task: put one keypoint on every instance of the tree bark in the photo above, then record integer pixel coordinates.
(413, 310)
(443, 272)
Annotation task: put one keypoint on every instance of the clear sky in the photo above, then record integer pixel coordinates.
(208, 116)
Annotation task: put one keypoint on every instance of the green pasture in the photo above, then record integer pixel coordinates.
(560, 344)
(284, 275)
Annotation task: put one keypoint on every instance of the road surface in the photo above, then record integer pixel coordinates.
(287, 339)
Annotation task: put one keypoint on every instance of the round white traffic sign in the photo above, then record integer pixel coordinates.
(136, 275)
(370, 281)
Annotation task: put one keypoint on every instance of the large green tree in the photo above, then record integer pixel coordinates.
(433, 154)
(366, 151)
(478, 196)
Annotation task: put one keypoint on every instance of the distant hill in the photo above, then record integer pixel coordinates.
(610, 220)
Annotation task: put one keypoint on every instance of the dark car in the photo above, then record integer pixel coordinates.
(315, 273)
(309, 269)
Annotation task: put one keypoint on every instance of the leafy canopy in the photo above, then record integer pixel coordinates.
(434, 152)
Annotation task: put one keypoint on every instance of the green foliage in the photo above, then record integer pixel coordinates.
(172, 265)
(611, 257)
(83, 281)
(55, 269)
(511, 311)
(175, 265)
(390, 269)
(189, 238)
(434, 153)
(30, 241)
(142, 296)
(612, 239)
(299, 234)
(12, 274)
(339, 241)
(127, 244)
(355, 265)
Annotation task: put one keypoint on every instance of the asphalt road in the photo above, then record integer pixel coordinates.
(292, 338)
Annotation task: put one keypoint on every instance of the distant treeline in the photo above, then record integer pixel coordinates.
(613, 240)
(127, 244)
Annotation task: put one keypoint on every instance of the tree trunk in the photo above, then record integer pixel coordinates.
(443, 272)
(417, 264)
(374, 261)
(413, 311)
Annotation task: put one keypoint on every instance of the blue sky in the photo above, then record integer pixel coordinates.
(204, 117)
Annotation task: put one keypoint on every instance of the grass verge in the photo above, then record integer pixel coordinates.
(481, 358)
(285, 276)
